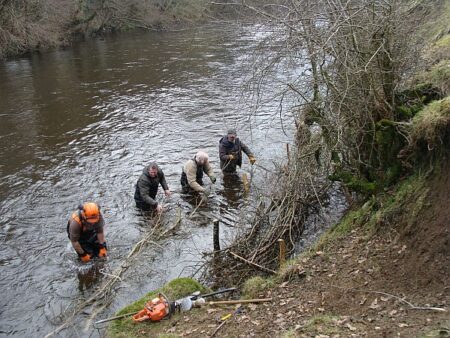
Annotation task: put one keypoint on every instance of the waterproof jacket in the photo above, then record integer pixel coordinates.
(80, 231)
(192, 175)
(235, 148)
(147, 187)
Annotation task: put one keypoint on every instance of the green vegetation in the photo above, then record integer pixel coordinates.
(323, 324)
(175, 289)
(256, 285)
(28, 25)
(431, 125)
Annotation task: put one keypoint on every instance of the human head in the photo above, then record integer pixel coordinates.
(91, 212)
(201, 157)
(231, 134)
(153, 170)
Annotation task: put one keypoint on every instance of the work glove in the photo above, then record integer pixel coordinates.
(85, 257)
(102, 252)
(213, 179)
(231, 157)
(252, 160)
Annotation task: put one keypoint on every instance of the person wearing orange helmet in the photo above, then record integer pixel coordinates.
(85, 231)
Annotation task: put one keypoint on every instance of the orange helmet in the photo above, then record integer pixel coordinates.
(91, 212)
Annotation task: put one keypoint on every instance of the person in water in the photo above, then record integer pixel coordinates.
(147, 188)
(85, 231)
(230, 152)
(192, 174)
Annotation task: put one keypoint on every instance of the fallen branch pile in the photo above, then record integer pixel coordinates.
(298, 190)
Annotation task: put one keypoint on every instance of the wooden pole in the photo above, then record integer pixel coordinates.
(282, 245)
(216, 239)
(240, 301)
(288, 154)
(245, 182)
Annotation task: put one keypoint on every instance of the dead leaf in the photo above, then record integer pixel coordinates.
(385, 299)
(284, 284)
(363, 301)
(209, 311)
(255, 322)
(374, 305)
(393, 313)
(403, 325)
(350, 327)
(252, 307)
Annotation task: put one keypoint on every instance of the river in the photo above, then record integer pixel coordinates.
(80, 124)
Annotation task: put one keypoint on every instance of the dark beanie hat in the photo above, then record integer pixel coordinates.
(231, 131)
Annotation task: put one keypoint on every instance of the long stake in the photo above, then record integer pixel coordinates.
(240, 301)
(116, 317)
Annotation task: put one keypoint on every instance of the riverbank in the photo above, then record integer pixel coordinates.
(37, 26)
(383, 271)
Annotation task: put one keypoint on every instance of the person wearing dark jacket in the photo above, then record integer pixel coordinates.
(230, 152)
(147, 188)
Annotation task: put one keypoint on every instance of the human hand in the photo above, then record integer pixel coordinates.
(252, 160)
(159, 209)
(231, 157)
(85, 257)
(102, 252)
(206, 193)
(168, 193)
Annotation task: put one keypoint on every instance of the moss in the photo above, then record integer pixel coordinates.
(431, 125)
(256, 285)
(353, 182)
(321, 324)
(175, 289)
(410, 196)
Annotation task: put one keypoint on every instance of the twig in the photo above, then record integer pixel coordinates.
(218, 328)
(413, 307)
(253, 264)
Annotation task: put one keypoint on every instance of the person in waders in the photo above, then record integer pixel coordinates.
(85, 231)
(147, 188)
(192, 174)
(230, 152)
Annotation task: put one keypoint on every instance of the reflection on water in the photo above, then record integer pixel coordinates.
(90, 275)
(80, 124)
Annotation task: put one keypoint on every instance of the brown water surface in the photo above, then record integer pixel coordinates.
(80, 124)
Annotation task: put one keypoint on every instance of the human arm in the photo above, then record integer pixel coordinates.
(248, 152)
(163, 182)
(102, 242)
(209, 171)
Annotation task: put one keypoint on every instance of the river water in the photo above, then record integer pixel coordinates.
(80, 124)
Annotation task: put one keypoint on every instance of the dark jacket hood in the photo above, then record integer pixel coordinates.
(227, 144)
